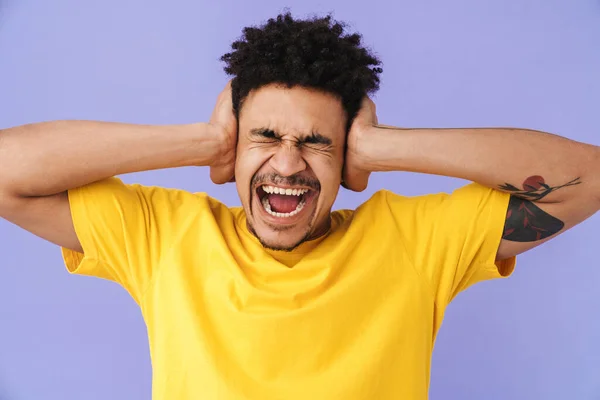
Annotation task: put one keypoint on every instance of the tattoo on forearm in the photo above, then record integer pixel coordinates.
(526, 222)
(535, 188)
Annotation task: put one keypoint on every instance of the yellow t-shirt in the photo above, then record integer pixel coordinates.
(352, 315)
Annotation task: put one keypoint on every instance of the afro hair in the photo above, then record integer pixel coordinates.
(314, 53)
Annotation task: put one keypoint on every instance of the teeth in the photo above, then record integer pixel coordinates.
(267, 206)
(287, 192)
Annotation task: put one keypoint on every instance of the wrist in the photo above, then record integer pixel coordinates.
(206, 143)
(385, 148)
(371, 148)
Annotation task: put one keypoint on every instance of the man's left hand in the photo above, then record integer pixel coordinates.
(356, 171)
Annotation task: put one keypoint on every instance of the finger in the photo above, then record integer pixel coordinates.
(355, 179)
(360, 183)
(222, 174)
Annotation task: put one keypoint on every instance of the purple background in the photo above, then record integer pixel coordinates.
(464, 63)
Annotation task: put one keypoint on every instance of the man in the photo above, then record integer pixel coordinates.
(282, 298)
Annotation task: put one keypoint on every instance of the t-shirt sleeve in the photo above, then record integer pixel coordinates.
(453, 239)
(124, 231)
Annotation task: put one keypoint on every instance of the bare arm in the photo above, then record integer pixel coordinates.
(40, 162)
(554, 182)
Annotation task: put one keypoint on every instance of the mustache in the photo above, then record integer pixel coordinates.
(294, 180)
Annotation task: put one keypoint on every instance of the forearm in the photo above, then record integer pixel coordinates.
(51, 157)
(493, 157)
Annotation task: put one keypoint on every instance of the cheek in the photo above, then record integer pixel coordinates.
(248, 162)
(328, 171)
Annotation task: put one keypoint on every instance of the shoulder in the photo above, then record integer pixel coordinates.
(378, 209)
(159, 201)
(385, 207)
(469, 194)
(385, 201)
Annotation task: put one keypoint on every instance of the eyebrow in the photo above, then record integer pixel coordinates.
(313, 137)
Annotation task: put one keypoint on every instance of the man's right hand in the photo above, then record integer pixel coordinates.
(224, 124)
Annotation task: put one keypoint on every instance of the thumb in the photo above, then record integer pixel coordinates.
(222, 174)
(355, 179)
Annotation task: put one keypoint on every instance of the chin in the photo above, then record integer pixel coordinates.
(280, 235)
(280, 241)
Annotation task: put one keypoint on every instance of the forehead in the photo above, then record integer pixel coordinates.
(291, 111)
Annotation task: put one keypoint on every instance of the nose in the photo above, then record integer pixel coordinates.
(287, 160)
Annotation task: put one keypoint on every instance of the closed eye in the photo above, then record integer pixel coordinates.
(322, 149)
(315, 141)
(263, 135)
(316, 138)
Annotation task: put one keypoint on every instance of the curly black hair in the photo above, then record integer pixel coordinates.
(313, 53)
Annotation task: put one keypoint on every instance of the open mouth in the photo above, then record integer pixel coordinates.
(284, 202)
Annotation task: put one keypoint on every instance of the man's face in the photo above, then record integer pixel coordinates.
(289, 162)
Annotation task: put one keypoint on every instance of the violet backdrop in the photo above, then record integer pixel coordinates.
(463, 63)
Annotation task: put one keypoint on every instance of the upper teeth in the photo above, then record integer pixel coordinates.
(286, 191)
